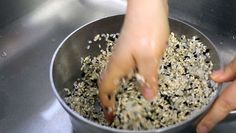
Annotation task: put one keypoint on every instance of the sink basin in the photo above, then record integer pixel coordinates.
(33, 30)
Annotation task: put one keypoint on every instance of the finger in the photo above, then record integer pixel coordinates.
(166, 7)
(147, 62)
(221, 108)
(119, 65)
(147, 65)
(226, 74)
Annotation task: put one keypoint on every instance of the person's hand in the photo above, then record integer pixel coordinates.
(142, 41)
(226, 101)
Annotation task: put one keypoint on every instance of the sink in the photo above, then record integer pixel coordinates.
(33, 30)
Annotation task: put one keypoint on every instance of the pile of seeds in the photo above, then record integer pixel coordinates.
(183, 82)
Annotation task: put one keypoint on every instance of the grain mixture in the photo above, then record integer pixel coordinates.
(183, 82)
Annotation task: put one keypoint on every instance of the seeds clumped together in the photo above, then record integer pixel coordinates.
(184, 86)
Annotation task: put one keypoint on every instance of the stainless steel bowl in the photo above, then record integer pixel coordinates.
(65, 68)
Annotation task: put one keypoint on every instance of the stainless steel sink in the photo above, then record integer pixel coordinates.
(32, 31)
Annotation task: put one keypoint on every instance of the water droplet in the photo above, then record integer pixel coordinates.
(234, 37)
(4, 54)
(221, 43)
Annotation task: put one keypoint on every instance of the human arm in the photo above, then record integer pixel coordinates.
(140, 45)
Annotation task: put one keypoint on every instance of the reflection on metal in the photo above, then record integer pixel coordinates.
(4, 53)
(30, 41)
(51, 111)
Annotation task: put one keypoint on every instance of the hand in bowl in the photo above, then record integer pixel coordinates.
(141, 44)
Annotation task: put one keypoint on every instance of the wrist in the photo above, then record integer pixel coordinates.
(147, 13)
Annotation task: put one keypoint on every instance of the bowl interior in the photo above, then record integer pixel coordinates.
(66, 64)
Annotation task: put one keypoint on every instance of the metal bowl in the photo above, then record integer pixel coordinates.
(65, 68)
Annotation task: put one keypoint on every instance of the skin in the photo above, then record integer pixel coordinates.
(226, 101)
(141, 44)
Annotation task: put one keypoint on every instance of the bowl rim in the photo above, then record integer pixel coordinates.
(78, 116)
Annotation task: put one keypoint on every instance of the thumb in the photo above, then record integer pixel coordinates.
(226, 74)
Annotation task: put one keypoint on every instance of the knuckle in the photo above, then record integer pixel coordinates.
(224, 106)
(207, 122)
(147, 55)
(146, 50)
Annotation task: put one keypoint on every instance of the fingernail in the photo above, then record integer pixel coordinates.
(202, 129)
(109, 114)
(148, 94)
(217, 73)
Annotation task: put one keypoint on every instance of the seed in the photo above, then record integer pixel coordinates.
(183, 85)
(88, 46)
